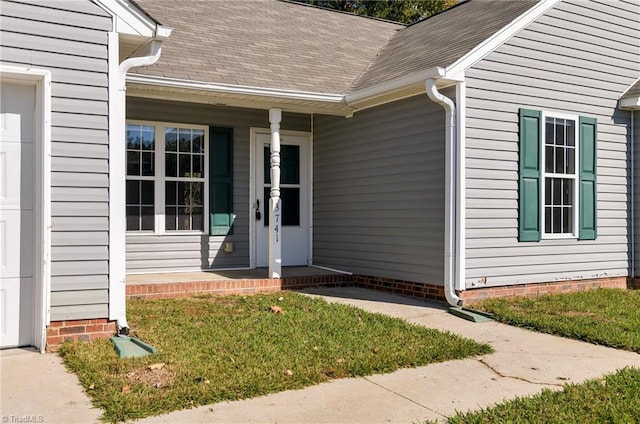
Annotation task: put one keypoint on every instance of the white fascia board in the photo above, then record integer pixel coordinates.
(235, 89)
(129, 19)
(630, 103)
(495, 41)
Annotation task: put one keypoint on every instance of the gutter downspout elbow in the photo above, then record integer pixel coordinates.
(450, 205)
(155, 49)
(151, 57)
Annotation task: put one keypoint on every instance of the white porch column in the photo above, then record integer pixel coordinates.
(275, 204)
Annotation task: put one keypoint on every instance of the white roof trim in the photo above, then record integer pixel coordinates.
(497, 39)
(395, 84)
(236, 89)
(632, 103)
(453, 73)
(133, 21)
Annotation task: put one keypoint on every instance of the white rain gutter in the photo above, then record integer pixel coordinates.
(117, 176)
(236, 89)
(451, 221)
(393, 85)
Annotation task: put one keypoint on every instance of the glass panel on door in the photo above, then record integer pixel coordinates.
(289, 183)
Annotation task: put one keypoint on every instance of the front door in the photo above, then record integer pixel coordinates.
(17, 153)
(295, 195)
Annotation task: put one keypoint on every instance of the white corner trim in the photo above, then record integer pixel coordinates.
(235, 89)
(41, 78)
(45, 216)
(117, 170)
(495, 41)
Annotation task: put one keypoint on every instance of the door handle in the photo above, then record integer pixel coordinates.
(258, 213)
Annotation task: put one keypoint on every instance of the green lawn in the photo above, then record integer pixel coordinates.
(608, 317)
(614, 398)
(225, 348)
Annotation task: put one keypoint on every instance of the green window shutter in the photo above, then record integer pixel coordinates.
(220, 181)
(587, 179)
(529, 178)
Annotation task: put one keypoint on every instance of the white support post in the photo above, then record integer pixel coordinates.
(275, 204)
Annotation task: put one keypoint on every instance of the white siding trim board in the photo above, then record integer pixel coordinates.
(41, 78)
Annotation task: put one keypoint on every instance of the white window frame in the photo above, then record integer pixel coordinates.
(160, 178)
(574, 177)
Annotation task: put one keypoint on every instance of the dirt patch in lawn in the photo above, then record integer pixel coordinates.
(156, 376)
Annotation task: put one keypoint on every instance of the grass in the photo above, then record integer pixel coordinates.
(227, 348)
(614, 398)
(608, 317)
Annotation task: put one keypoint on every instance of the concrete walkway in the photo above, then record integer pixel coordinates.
(524, 363)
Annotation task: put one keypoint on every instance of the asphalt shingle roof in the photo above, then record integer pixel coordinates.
(265, 43)
(442, 39)
(282, 45)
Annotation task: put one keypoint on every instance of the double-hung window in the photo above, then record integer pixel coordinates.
(141, 173)
(166, 189)
(557, 176)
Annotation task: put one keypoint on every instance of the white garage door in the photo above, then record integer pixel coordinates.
(17, 107)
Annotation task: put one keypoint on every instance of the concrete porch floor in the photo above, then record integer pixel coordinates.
(181, 284)
(242, 274)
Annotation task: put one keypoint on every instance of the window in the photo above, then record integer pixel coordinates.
(557, 181)
(140, 196)
(559, 157)
(166, 186)
(184, 179)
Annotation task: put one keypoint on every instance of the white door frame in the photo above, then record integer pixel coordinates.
(254, 131)
(41, 78)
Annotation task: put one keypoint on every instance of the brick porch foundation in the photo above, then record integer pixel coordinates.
(224, 287)
(405, 288)
(78, 330)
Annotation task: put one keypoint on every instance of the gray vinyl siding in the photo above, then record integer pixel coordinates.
(636, 193)
(70, 39)
(378, 206)
(159, 253)
(578, 58)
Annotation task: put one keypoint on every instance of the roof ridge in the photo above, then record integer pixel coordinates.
(419, 21)
(344, 12)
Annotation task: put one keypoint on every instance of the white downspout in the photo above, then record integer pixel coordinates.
(450, 199)
(461, 186)
(117, 184)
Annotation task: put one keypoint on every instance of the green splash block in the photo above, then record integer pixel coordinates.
(130, 347)
(470, 314)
